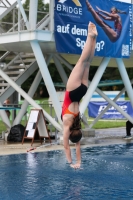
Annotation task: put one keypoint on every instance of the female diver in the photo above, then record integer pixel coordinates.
(76, 88)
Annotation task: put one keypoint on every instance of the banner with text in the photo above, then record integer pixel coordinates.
(113, 20)
(95, 108)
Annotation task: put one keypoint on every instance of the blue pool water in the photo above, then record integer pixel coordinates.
(107, 174)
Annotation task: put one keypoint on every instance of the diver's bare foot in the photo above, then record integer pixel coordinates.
(92, 31)
(88, 5)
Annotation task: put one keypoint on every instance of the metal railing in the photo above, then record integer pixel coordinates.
(14, 22)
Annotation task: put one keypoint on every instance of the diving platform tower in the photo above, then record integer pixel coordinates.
(33, 45)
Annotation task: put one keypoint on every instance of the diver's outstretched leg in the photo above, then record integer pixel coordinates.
(75, 78)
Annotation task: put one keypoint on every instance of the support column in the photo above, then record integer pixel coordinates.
(47, 78)
(19, 20)
(93, 85)
(14, 19)
(125, 79)
(60, 70)
(23, 14)
(51, 13)
(31, 92)
(33, 14)
(29, 99)
(68, 65)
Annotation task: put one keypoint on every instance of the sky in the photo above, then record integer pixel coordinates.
(12, 1)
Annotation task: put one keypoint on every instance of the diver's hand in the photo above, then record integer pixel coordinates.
(75, 166)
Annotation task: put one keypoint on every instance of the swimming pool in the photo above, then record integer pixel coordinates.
(107, 174)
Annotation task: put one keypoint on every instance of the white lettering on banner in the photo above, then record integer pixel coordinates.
(130, 13)
(101, 108)
(130, 30)
(63, 29)
(100, 45)
(80, 32)
(69, 9)
(80, 43)
(112, 113)
(74, 30)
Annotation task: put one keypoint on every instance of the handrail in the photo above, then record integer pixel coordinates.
(4, 56)
(42, 20)
(14, 26)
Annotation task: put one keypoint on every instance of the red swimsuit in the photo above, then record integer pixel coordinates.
(118, 28)
(73, 96)
(67, 102)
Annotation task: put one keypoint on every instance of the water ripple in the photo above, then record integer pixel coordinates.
(107, 174)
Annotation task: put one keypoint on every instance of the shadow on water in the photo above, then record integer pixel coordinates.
(107, 174)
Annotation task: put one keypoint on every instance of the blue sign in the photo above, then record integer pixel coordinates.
(95, 108)
(113, 20)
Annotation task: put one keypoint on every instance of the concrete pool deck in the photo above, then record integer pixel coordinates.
(102, 137)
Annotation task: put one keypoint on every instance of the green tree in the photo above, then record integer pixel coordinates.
(42, 9)
(7, 21)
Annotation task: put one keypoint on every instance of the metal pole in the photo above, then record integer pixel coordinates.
(93, 85)
(19, 17)
(31, 92)
(29, 99)
(60, 70)
(33, 14)
(51, 13)
(13, 19)
(64, 61)
(125, 79)
(23, 14)
(47, 78)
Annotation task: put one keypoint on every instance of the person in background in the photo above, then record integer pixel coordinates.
(76, 88)
(6, 103)
(129, 125)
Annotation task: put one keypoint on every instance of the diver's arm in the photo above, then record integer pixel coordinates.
(104, 12)
(78, 157)
(68, 151)
(104, 17)
(66, 134)
(78, 154)
(109, 16)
